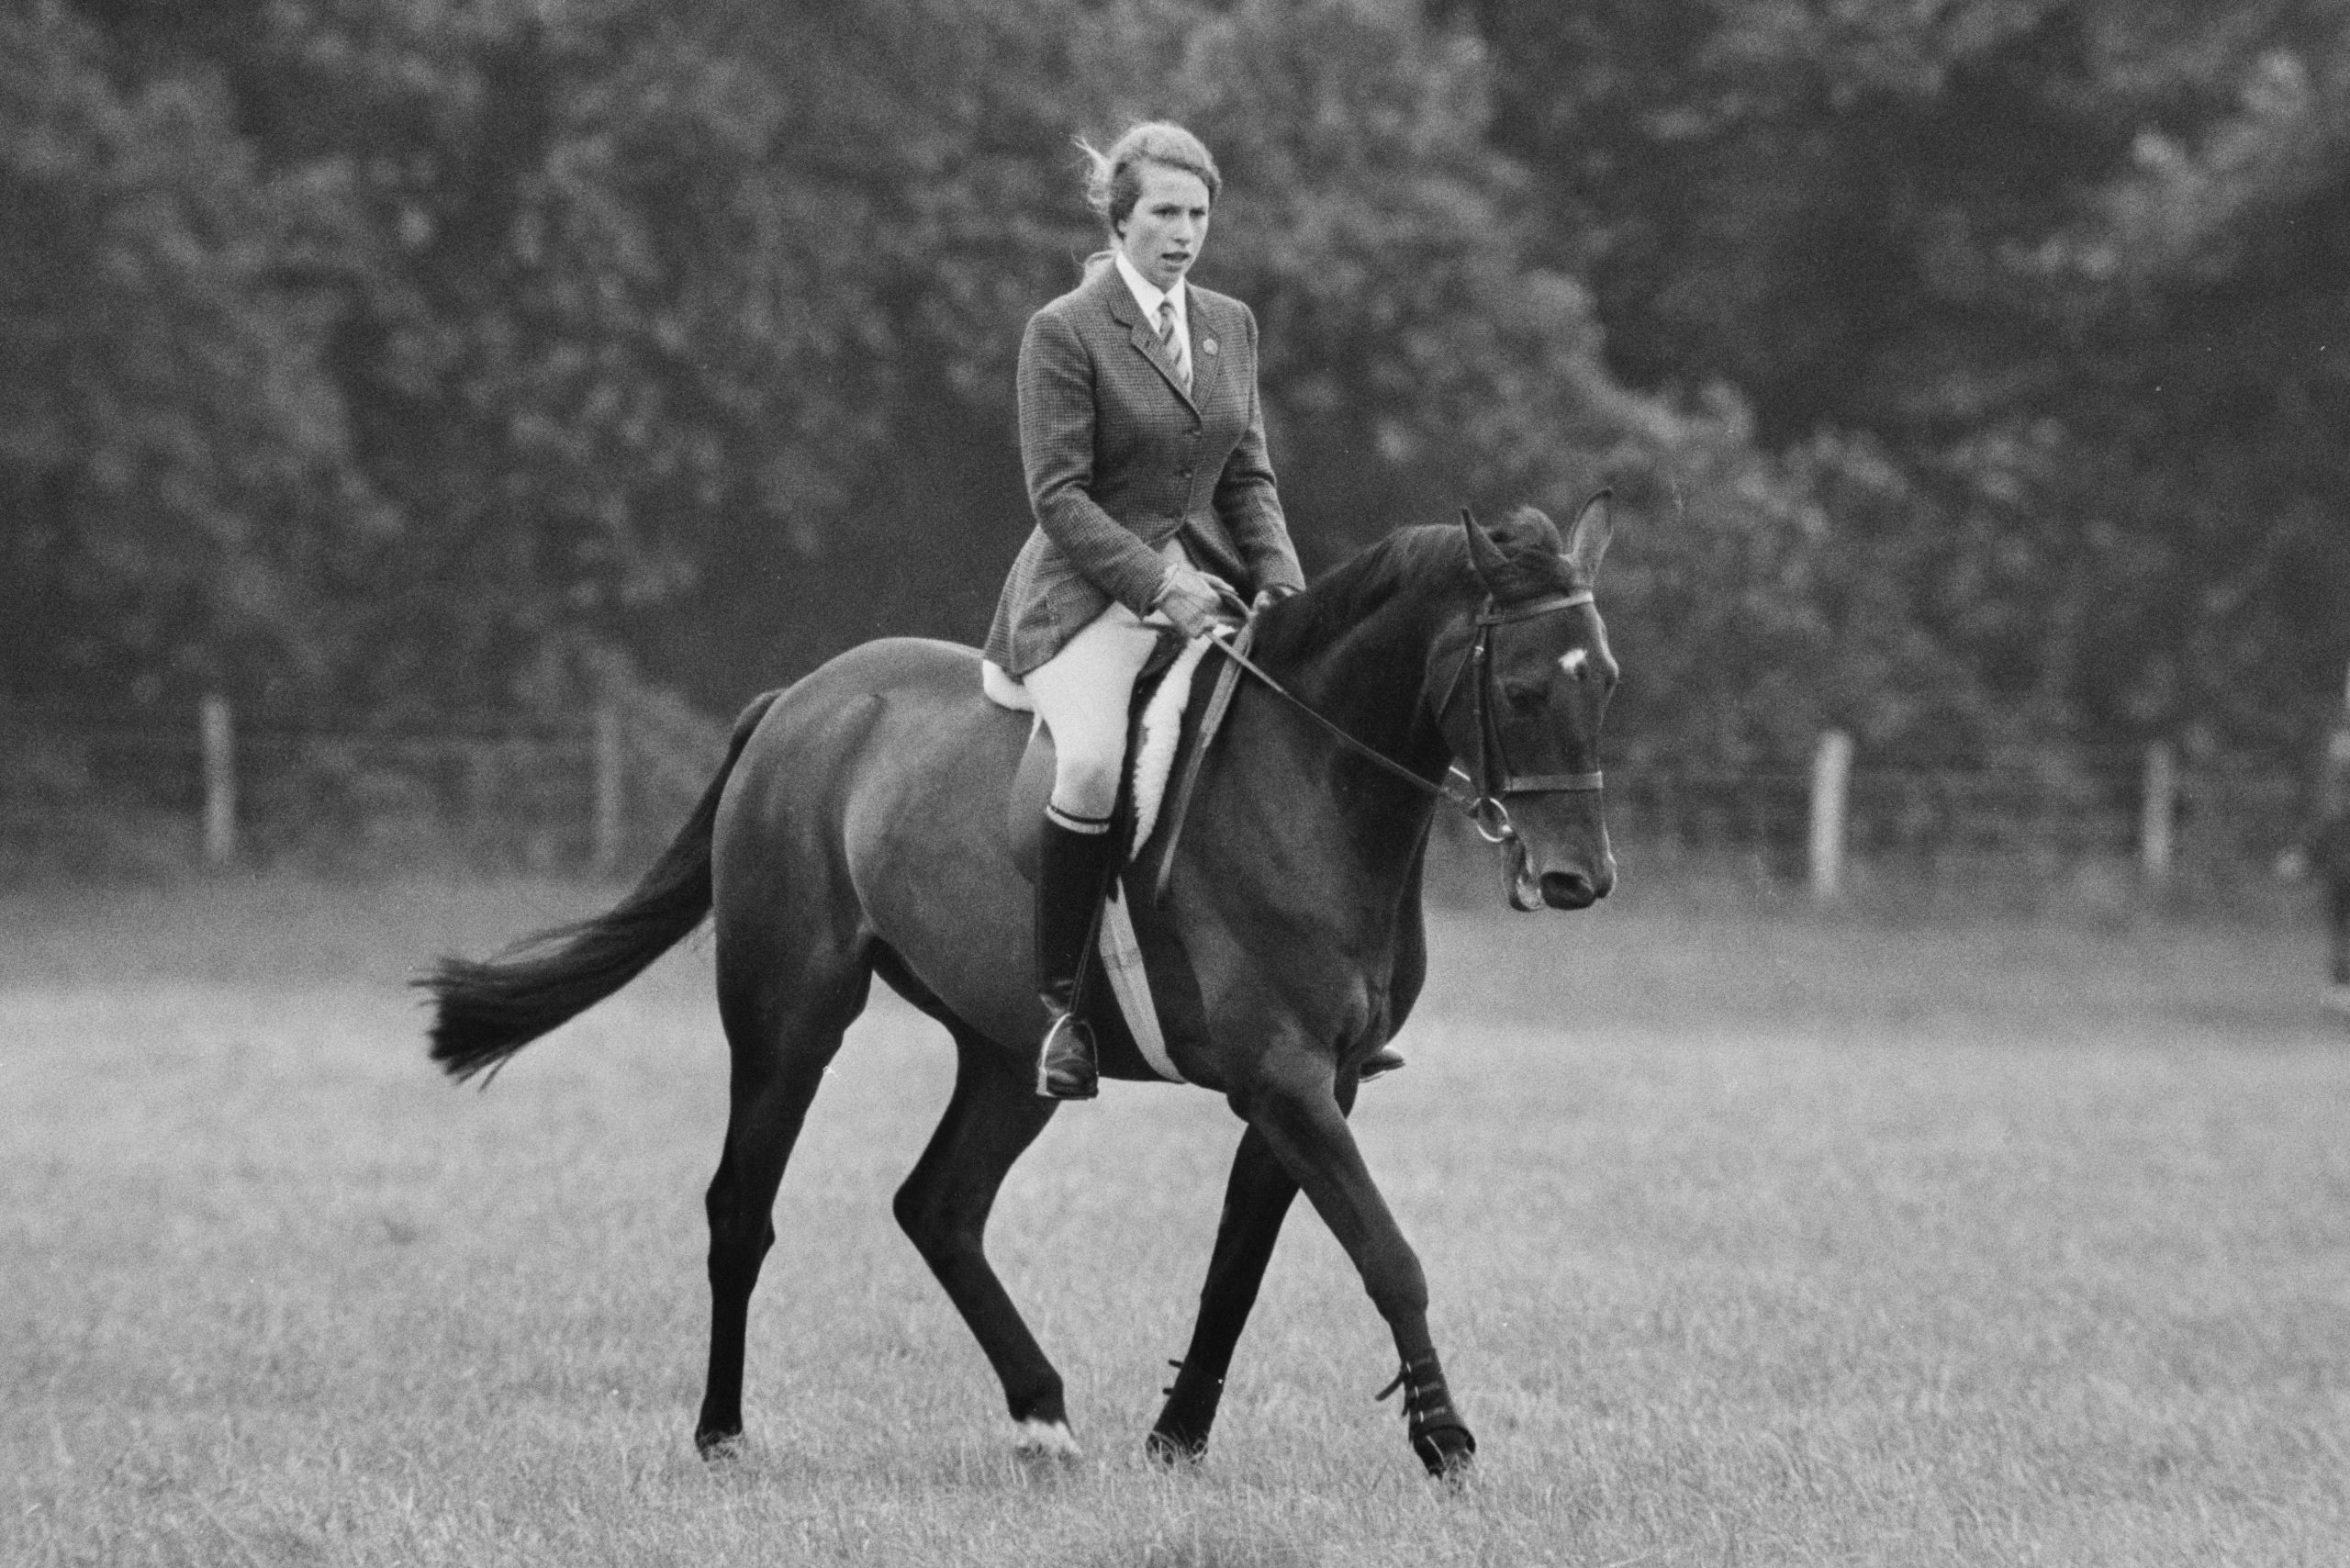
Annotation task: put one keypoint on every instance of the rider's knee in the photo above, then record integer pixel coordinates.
(1086, 783)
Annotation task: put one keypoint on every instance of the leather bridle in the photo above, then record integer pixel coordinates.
(1485, 806)
(1482, 799)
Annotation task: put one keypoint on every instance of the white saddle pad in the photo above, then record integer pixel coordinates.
(1162, 729)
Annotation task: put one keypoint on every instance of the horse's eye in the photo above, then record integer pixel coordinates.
(1520, 695)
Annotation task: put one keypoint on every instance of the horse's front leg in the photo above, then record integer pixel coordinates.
(1292, 1103)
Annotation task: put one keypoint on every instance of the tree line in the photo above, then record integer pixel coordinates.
(1966, 371)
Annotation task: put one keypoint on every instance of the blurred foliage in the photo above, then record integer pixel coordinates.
(2073, 271)
(1962, 368)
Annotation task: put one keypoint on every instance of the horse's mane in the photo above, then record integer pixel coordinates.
(1430, 556)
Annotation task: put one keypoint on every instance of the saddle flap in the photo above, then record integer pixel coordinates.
(1032, 788)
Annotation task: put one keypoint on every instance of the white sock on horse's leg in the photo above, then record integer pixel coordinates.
(1045, 1440)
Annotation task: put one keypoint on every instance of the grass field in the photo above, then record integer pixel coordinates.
(1755, 1238)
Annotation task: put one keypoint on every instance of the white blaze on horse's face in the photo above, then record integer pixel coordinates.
(1547, 674)
(1568, 864)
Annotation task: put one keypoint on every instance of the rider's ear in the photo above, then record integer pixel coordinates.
(1485, 558)
(1587, 539)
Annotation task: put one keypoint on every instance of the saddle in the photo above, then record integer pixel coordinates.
(1138, 956)
(1154, 731)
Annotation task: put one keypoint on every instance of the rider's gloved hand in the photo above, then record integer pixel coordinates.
(1194, 601)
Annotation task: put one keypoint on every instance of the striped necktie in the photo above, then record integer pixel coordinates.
(1168, 340)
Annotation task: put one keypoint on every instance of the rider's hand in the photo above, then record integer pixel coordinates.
(1193, 600)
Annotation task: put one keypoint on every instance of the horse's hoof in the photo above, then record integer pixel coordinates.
(1449, 1452)
(1170, 1450)
(1047, 1442)
(719, 1448)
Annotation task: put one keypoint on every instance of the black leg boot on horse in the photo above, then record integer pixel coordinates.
(1073, 864)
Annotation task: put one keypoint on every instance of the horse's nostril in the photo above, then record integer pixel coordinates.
(1567, 889)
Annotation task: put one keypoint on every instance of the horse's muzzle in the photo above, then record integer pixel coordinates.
(1565, 889)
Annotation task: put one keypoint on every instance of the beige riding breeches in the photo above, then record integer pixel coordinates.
(1082, 693)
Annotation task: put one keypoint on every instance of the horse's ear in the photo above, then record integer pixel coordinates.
(1485, 558)
(1587, 539)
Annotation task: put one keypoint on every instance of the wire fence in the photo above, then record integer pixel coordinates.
(494, 791)
(2123, 808)
(601, 791)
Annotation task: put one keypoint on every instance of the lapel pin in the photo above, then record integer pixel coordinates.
(1207, 345)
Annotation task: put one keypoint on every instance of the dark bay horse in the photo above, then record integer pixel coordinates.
(857, 828)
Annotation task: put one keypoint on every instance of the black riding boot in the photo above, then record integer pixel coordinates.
(1072, 868)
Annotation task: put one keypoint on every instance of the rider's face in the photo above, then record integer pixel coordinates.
(1163, 234)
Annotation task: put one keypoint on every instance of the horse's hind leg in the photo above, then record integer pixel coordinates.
(1256, 1200)
(990, 1121)
(784, 1024)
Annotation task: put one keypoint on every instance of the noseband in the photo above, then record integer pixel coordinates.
(1484, 807)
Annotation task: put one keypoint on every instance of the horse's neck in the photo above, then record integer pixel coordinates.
(1368, 682)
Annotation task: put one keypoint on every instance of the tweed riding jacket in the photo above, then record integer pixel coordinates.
(1120, 459)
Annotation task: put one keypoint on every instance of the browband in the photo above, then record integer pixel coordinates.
(1548, 604)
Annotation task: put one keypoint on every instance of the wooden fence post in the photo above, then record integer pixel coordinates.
(605, 851)
(215, 732)
(2159, 809)
(1832, 777)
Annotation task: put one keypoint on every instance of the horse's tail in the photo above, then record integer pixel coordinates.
(484, 1012)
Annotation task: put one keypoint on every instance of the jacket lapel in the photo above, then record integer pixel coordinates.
(1144, 335)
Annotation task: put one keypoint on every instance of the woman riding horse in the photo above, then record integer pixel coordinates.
(1144, 444)
(856, 831)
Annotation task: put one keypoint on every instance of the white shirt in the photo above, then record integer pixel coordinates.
(1147, 296)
